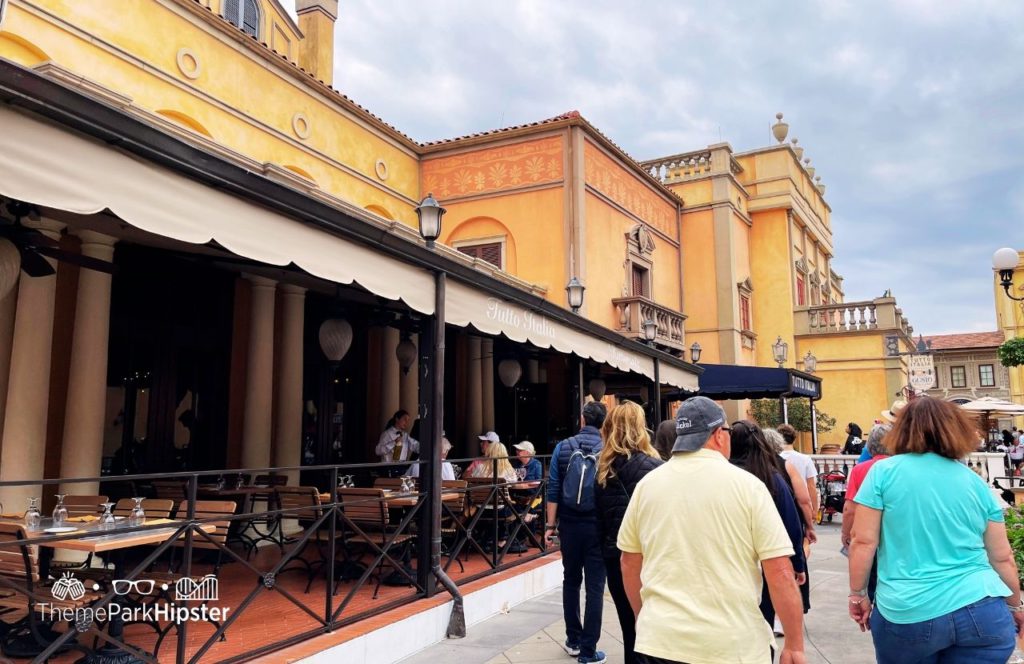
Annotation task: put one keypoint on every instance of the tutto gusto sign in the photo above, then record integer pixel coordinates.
(528, 321)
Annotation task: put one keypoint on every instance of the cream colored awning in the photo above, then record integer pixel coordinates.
(465, 305)
(56, 168)
(677, 377)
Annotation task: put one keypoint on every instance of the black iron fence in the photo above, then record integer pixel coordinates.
(230, 565)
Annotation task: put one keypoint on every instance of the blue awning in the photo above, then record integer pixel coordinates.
(725, 381)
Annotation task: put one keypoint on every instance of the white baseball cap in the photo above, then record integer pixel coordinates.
(491, 437)
(525, 446)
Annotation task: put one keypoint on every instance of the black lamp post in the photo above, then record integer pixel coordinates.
(1005, 262)
(574, 290)
(429, 213)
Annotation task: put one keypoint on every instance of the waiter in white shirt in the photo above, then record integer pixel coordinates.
(395, 444)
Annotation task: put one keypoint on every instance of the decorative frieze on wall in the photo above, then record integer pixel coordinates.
(494, 169)
(628, 191)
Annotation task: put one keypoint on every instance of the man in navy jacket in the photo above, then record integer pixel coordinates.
(580, 544)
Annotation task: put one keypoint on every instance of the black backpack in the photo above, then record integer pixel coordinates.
(580, 477)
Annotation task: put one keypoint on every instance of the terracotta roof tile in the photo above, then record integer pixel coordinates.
(502, 130)
(965, 340)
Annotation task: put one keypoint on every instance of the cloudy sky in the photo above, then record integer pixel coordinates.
(912, 111)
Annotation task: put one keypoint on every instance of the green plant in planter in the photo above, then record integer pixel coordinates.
(1011, 353)
(1015, 532)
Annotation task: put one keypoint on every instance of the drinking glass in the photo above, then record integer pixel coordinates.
(107, 520)
(220, 483)
(521, 473)
(239, 481)
(138, 516)
(33, 518)
(60, 512)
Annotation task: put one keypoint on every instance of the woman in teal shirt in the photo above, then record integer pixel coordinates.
(948, 589)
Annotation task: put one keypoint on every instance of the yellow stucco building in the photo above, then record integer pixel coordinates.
(730, 250)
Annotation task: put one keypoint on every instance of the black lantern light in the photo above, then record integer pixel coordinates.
(1005, 262)
(574, 290)
(429, 213)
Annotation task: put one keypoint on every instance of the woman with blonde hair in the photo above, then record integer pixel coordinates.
(948, 589)
(626, 457)
(497, 464)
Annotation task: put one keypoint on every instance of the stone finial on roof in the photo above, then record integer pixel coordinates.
(780, 129)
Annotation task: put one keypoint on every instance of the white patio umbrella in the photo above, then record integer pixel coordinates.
(987, 406)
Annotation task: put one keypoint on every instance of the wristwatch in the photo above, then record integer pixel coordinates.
(860, 594)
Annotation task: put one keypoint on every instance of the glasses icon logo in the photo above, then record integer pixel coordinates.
(125, 586)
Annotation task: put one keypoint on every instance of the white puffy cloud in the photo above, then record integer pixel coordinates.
(910, 109)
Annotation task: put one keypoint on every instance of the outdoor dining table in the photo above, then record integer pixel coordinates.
(115, 540)
(404, 500)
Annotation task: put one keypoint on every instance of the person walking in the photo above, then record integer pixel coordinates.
(572, 513)
(854, 444)
(627, 456)
(750, 451)
(694, 539)
(948, 588)
(1017, 456)
(665, 438)
(876, 443)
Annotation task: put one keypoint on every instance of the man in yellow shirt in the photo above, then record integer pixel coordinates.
(694, 539)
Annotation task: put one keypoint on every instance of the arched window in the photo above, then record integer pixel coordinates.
(245, 14)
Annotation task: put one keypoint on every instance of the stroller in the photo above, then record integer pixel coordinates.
(832, 487)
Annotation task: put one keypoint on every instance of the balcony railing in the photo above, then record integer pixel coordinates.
(988, 465)
(878, 314)
(633, 311)
(689, 165)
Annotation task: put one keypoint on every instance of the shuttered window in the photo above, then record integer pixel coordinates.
(744, 312)
(640, 282)
(490, 252)
(244, 14)
(801, 292)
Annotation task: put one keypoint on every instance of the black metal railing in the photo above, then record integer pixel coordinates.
(254, 539)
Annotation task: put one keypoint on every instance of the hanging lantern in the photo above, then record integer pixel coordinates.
(597, 388)
(10, 266)
(335, 338)
(509, 371)
(405, 351)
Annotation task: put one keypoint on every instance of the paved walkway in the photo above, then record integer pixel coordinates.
(532, 632)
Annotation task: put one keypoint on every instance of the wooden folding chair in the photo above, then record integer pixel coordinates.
(367, 510)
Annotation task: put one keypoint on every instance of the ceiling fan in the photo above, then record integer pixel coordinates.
(33, 246)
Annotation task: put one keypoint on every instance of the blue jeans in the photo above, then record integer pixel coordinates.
(979, 633)
(582, 560)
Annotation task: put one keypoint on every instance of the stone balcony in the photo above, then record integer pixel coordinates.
(715, 159)
(845, 317)
(633, 311)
